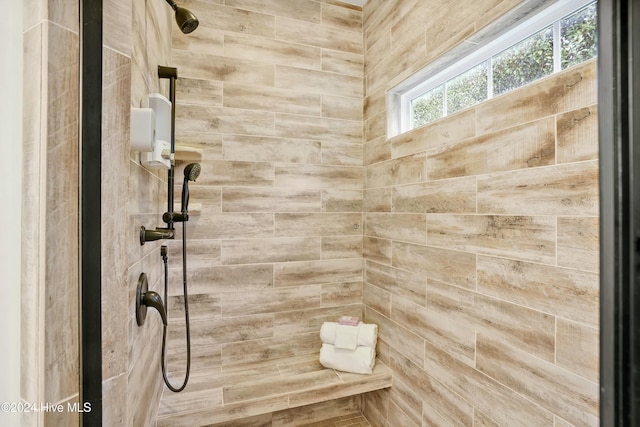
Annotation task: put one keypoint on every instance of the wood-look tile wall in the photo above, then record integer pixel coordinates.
(136, 41)
(479, 233)
(480, 238)
(49, 285)
(271, 93)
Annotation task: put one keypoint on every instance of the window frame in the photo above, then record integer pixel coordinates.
(550, 16)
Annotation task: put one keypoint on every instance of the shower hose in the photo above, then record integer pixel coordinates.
(163, 362)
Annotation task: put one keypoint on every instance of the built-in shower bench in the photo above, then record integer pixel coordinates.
(226, 394)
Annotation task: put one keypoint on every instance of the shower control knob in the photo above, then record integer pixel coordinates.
(146, 298)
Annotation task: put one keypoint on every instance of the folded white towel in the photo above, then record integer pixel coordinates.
(346, 337)
(367, 333)
(359, 361)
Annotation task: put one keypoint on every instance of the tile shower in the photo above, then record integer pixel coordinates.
(471, 242)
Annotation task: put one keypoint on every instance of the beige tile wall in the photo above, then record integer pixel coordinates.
(136, 41)
(480, 231)
(480, 238)
(271, 93)
(32, 259)
(49, 319)
(247, 198)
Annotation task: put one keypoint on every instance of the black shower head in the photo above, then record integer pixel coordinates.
(192, 171)
(186, 20)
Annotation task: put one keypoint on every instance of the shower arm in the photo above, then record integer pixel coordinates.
(173, 4)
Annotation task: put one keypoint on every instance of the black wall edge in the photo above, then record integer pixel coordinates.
(90, 212)
(618, 88)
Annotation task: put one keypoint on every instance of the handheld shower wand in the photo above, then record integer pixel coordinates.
(191, 173)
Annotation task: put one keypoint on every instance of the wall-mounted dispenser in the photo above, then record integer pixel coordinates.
(151, 131)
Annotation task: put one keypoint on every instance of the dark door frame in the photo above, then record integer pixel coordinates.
(618, 88)
(90, 212)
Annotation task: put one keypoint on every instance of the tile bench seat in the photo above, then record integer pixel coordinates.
(226, 394)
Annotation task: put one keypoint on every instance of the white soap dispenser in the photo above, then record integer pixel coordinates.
(151, 131)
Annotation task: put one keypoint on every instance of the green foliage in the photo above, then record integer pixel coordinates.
(578, 37)
(428, 107)
(523, 63)
(468, 89)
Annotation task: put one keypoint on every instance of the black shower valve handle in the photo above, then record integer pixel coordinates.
(153, 299)
(146, 298)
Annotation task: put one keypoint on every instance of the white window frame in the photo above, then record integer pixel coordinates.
(551, 15)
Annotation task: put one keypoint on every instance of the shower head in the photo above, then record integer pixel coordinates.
(191, 173)
(186, 20)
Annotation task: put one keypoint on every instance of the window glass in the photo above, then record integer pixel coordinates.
(524, 62)
(578, 37)
(552, 39)
(428, 107)
(467, 89)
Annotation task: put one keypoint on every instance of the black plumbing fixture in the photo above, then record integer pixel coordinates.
(157, 234)
(168, 232)
(191, 173)
(163, 358)
(170, 73)
(146, 298)
(186, 20)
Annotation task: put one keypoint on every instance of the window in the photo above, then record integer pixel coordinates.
(527, 61)
(578, 36)
(557, 38)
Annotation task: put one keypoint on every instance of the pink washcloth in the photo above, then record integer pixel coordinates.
(349, 320)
